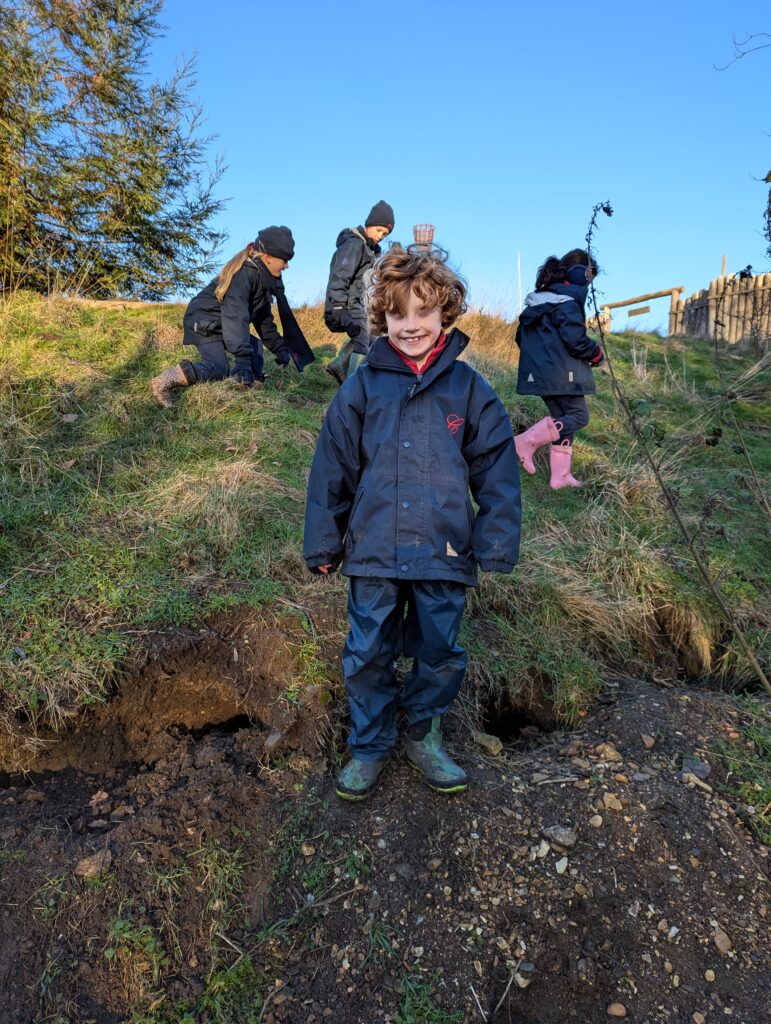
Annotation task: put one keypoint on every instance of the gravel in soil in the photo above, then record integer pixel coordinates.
(584, 876)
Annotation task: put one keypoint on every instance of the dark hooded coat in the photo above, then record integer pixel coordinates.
(247, 301)
(554, 348)
(388, 494)
(353, 257)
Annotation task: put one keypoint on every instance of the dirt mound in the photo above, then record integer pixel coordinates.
(234, 673)
(207, 882)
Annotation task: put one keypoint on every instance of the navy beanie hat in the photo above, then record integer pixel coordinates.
(276, 241)
(381, 215)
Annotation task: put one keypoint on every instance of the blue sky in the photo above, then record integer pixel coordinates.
(501, 123)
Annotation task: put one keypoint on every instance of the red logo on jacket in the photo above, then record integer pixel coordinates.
(454, 423)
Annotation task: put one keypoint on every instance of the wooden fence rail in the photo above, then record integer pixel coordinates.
(732, 309)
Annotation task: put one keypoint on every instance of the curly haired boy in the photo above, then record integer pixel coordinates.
(405, 444)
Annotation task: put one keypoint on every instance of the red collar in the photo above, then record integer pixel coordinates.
(433, 355)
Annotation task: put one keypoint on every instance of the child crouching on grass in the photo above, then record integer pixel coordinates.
(388, 503)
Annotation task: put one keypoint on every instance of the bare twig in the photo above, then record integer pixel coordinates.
(634, 428)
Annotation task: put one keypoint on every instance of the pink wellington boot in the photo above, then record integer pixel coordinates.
(527, 444)
(560, 456)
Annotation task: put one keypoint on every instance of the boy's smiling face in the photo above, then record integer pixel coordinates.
(415, 331)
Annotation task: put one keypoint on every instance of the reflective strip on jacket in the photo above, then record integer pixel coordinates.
(554, 348)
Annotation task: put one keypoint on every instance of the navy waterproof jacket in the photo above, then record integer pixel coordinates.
(554, 348)
(344, 301)
(247, 301)
(388, 493)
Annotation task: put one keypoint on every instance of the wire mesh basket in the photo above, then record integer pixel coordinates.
(423, 234)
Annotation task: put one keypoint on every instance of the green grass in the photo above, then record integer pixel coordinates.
(417, 1006)
(118, 518)
(747, 763)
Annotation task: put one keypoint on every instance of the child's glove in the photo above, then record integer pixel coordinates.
(282, 356)
(352, 329)
(243, 373)
(598, 359)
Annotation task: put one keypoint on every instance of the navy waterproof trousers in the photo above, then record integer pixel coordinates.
(214, 363)
(419, 619)
(570, 410)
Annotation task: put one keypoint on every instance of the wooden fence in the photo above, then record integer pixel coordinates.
(732, 309)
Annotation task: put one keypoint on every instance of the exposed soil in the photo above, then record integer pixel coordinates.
(215, 849)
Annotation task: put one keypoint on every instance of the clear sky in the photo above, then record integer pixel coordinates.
(500, 122)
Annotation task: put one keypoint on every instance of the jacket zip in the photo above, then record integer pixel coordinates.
(418, 379)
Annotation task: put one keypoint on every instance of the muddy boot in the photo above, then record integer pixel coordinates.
(426, 752)
(357, 779)
(527, 443)
(338, 367)
(356, 360)
(179, 376)
(560, 457)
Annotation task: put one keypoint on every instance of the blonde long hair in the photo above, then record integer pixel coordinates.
(231, 268)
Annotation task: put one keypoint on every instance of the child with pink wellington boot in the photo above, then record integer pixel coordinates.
(556, 357)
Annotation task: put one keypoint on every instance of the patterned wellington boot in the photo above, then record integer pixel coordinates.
(527, 443)
(179, 376)
(560, 457)
(338, 367)
(358, 779)
(429, 757)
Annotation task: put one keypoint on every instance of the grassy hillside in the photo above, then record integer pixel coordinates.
(118, 518)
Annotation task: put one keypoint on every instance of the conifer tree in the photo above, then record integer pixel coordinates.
(105, 186)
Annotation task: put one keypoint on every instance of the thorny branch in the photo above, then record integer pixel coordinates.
(670, 498)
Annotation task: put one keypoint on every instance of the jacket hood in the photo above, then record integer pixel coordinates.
(538, 303)
(383, 356)
(357, 233)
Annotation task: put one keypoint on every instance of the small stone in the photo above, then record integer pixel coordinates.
(668, 967)
(122, 812)
(612, 802)
(543, 849)
(97, 864)
(561, 835)
(596, 820)
(99, 823)
(640, 776)
(722, 941)
(404, 871)
(617, 1010)
(418, 951)
(663, 925)
(490, 744)
(649, 741)
(273, 741)
(99, 797)
(561, 866)
(308, 850)
(435, 863)
(709, 975)
(608, 752)
(34, 796)
(698, 1018)
(695, 766)
(573, 749)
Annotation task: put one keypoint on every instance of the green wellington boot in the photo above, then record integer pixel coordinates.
(428, 755)
(338, 367)
(356, 360)
(357, 779)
